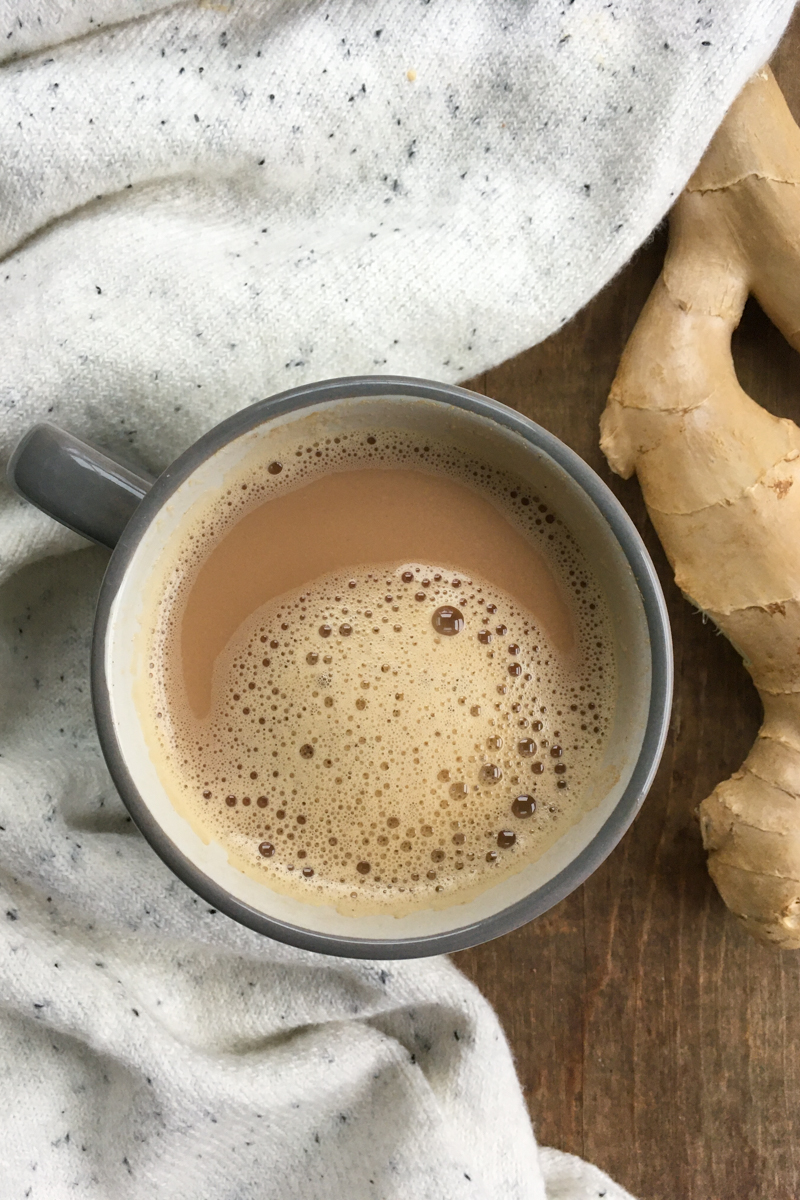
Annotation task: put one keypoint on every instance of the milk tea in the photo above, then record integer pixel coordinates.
(380, 673)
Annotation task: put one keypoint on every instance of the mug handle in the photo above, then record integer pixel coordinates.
(80, 486)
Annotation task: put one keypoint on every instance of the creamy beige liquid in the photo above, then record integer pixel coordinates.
(381, 686)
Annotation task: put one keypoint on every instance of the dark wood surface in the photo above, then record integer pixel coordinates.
(651, 1035)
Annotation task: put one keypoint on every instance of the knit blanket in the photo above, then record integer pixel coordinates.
(202, 204)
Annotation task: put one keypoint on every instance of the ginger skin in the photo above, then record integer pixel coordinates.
(721, 476)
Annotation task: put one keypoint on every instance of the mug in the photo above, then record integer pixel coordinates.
(135, 515)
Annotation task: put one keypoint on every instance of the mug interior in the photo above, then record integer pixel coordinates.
(536, 885)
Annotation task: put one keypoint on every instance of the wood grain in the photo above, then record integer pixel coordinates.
(651, 1035)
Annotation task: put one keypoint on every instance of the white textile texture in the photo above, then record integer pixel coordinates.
(203, 204)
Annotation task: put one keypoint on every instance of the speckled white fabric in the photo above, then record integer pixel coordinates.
(203, 204)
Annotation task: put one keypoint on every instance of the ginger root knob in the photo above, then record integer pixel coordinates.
(721, 476)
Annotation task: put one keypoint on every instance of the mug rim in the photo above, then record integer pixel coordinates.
(627, 536)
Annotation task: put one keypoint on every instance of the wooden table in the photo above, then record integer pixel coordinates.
(652, 1036)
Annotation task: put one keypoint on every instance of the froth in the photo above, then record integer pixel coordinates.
(389, 736)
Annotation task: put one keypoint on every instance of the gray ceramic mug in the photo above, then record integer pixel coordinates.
(136, 516)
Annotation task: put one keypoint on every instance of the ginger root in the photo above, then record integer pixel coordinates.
(721, 476)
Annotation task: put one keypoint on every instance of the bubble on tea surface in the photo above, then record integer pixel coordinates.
(523, 806)
(447, 620)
